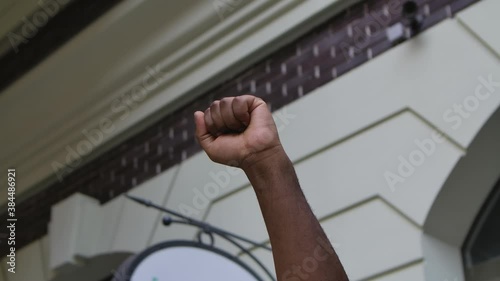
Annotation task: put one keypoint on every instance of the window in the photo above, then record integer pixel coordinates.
(481, 250)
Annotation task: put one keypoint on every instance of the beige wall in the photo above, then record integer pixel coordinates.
(187, 44)
(358, 129)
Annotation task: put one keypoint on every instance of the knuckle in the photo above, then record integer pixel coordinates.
(225, 100)
(238, 99)
(245, 98)
(214, 104)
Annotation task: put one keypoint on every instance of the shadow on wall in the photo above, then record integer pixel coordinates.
(96, 268)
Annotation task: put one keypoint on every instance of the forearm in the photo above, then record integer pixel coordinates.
(241, 131)
(290, 221)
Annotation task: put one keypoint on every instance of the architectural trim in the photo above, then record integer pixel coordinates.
(148, 150)
(458, 203)
(223, 48)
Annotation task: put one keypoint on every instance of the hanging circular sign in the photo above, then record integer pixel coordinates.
(188, 261)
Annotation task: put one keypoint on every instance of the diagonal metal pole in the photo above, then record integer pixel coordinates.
(201, 224)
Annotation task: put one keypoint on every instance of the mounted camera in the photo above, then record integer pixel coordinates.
(411, 18)
(410, 25)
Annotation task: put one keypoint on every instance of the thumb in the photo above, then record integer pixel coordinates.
(202, 134)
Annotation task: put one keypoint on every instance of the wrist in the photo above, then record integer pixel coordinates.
(268, 167)
(263, 160)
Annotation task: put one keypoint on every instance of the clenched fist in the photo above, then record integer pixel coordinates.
(240, 131)
(237, 131)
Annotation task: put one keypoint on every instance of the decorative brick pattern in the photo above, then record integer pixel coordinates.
(339, 45)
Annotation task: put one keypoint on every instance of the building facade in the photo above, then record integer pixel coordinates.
(396, 146)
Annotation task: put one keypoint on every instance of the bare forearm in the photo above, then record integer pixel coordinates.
(241, 131)
(300, 247)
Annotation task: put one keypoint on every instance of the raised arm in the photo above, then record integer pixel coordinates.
(240, 131)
